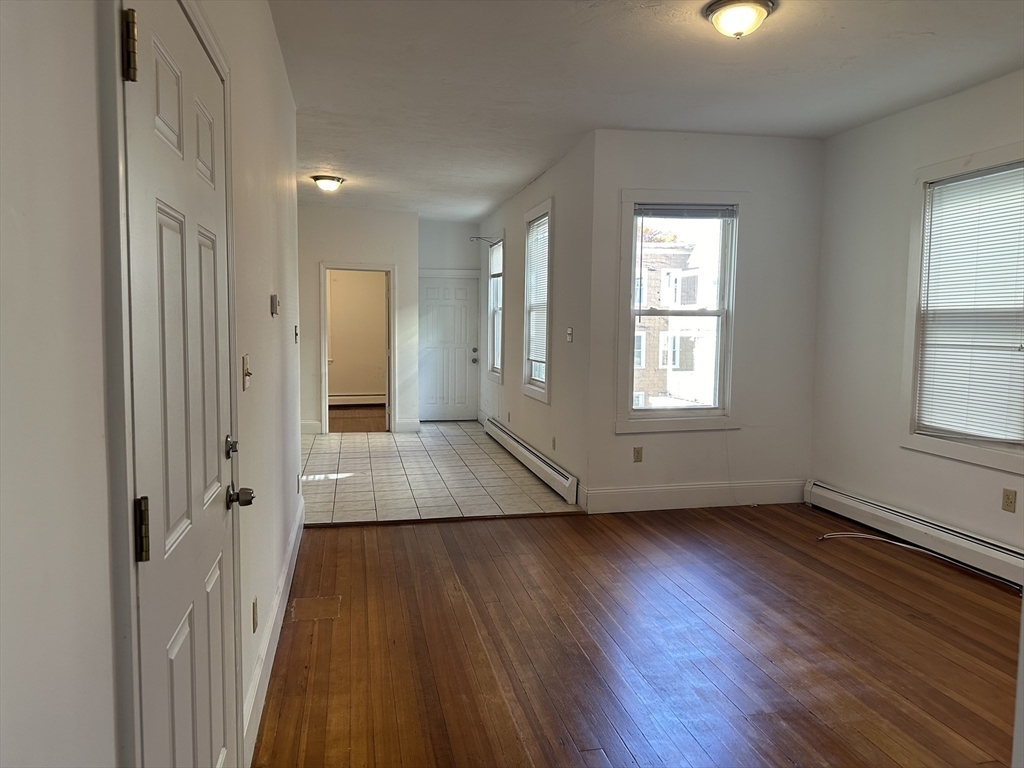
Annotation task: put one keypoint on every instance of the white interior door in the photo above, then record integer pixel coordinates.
(449, 348)
(182, 393)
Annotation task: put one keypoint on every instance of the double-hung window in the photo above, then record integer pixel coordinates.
(495, 304)
(689, 250)
(536, 373)
(969, 383)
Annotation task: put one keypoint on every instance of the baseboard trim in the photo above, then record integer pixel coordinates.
(689, 495)
(311, 428)
(406, 425)
(992, 557)
(268, 648)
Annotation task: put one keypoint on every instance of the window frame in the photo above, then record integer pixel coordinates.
(632, 420)
(1006, 458)
(531, 387)
(495, 373)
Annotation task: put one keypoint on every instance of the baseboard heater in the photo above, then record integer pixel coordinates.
(552, 474)
(983, 554)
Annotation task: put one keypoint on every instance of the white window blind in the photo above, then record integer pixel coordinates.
(970, 366)
(495, 300)
(537, 258)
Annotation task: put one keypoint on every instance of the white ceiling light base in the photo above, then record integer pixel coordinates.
(328, 183)
(738, 18)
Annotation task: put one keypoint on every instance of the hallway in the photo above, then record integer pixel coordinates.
(447, 470)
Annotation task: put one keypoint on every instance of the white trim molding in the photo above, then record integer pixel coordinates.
(257, 695)
(311, 427)
(986, 555)
(405, 425)
(691, 495)
(468, 274)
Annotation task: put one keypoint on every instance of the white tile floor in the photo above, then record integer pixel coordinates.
(447, 470)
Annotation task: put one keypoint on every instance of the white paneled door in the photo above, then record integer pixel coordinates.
(449, 348)
(174, 119)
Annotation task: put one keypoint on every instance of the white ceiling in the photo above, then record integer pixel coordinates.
(449, 108)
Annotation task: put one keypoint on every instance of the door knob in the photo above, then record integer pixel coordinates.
(244, 497)
(474, 349)
(474, 361)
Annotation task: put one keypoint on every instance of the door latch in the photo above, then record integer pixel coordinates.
(243, 497)
(230, 446)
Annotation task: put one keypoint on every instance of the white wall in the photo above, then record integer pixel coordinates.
(570, 184)
(773, 345)
(56, 644)
(340, 237)
(858, 417)
(446, 245)
(57, 650)
(266, 262)
(357, 338)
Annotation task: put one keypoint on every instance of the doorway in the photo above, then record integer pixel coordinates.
(449, 348)
(357, 350)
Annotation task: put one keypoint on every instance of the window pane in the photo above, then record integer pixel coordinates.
(970, 372)
(495, 299)
(537, 298)
(678, 262)
(684, 372)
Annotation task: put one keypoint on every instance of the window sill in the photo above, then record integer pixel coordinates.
(536, 392)
(682, 424)
(993, 458)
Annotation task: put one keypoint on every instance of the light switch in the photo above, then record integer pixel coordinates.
(568, 335)
(275, 305)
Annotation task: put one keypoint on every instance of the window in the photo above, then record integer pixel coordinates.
(689, 250)
(496, 266)
(538, 252)
(640, 350)
(679, 287)
(640, 291)
(676, 353)
(970, 325)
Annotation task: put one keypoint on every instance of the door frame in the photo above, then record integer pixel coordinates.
(118, 401)
(392, 284)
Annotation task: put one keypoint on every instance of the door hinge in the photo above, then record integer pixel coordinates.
(142, 529)
(130, 45)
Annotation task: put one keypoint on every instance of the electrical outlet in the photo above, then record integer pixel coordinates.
(568, 335)
(638, 453)
(552, 443)
(255, 614)
(1009, 500)
(509, 417)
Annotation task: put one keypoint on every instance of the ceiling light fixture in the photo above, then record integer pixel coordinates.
(738, 18)
(328, 183)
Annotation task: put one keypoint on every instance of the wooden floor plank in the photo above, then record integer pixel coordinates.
(729, 637)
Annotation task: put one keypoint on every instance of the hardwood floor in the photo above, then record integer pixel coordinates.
(726, 637)
(357, 418)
